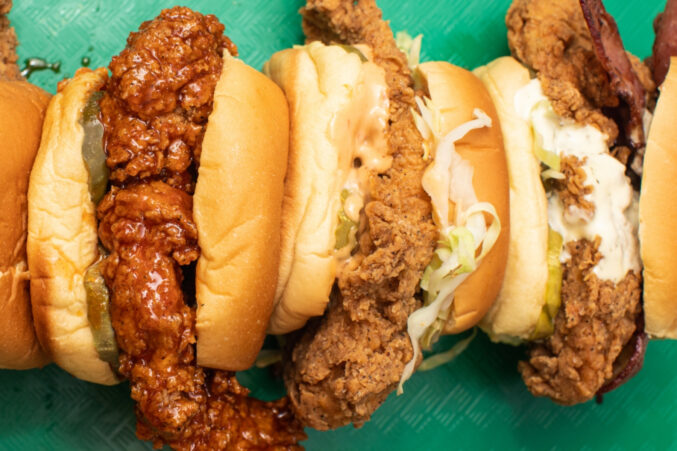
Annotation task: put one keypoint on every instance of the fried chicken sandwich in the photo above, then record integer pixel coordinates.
(153, 232)
(395, 214)
(573, 106)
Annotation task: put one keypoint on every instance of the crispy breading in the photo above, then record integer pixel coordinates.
(597, 317)
(573, 189)
(345, 364)
(553, 39)
(596, 320)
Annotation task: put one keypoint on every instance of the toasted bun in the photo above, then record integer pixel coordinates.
(62, 233)
(22, 109)
(658, 215)
(318, 81)
(457, 92)
(522, 295)
(237, 207)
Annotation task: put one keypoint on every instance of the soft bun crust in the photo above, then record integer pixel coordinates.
(237, 208)
(522, 295)
(62, 233)
(658, 215)
(318, 81)
(457, 92)
(22, 109)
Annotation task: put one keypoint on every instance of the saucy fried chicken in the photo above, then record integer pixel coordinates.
(154, 111)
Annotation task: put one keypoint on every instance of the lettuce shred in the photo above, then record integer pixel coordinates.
(411, 47)
(464, 241)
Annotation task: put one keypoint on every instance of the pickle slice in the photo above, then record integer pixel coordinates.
(355, 50)
(98, 314)
(92, 148)
(345, 226)
(553, 288)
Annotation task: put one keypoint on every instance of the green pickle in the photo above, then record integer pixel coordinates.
(343, 229)
(355, 50)
(98, 297)
(553, 288)
(92, 148)
(98, 314)
(345, 225)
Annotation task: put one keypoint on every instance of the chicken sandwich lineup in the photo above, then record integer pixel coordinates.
(173, 209)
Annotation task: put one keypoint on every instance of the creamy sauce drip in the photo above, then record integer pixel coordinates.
(615, 217)
(359, 133)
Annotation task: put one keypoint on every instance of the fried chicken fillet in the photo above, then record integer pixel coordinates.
(344, 365)
(552, 38)
(154, 112)
(598, 317)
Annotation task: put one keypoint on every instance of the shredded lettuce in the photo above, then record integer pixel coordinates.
(552, 174)
(268, 357)
(447, 356)
(427, 121)
(410, 47)
(449, 176)
(463, 244)
(547, 157)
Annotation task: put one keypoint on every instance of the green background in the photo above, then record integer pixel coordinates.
(477, 401)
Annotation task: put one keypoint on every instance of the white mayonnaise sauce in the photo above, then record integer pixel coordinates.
(615, 218)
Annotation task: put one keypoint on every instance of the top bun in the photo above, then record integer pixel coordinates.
(22, 109)
(658, 216)
(318, 81)
(62, 233)
(522, 296)
(237, 208)
(456, 92)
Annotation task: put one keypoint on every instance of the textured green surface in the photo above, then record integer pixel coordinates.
(477, 401)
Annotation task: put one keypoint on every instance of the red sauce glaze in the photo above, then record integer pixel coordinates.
(154, 113)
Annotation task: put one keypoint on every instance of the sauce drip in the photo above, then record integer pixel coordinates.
(35, 64)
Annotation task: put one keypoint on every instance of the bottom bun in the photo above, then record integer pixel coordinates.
(22, 108)
(520, 301)
(62, 234)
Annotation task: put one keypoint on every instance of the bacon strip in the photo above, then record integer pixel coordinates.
(629, 362)
(665, 44)
(610, 52)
